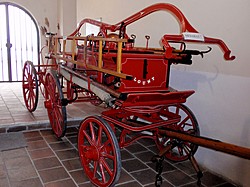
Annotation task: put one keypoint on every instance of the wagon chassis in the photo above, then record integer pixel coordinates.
(108, 69)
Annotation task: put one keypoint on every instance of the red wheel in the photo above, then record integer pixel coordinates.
(99, 152)
(187, 124)
(54, 104)
(30, 86)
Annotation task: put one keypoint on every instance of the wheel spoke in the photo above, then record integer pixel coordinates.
(102, 172)
(99, 136)
(180, 150)
(105, 145)
(183, 122)
(106, 166)
(58, 121)
(88, 138)
(95, 169)
(109, 156)
(92, 132)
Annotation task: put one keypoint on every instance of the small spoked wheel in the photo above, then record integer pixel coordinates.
(30, 86)
(187, 124)
(54, 104)
(99, 151)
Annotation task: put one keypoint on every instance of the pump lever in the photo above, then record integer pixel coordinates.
(196, 52)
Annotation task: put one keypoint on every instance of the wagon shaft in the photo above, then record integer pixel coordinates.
(213, 144)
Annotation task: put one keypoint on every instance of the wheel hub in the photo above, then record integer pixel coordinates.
(91, 153)
(48, 104)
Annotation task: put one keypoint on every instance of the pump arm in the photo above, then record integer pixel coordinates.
(188, 32)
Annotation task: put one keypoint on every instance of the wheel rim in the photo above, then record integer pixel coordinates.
(53, 104)
(99, 152)
(187, 124)
(30, 86)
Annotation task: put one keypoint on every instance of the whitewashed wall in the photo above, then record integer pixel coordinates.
(221, 102)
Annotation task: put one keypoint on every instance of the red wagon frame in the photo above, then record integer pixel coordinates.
(109, 69)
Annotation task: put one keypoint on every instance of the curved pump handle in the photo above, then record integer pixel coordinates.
(196, 38)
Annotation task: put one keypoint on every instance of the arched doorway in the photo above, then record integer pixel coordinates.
(19, 41)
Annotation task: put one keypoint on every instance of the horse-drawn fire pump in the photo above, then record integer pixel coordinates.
(133, 82)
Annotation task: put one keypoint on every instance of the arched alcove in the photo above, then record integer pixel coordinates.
(19, 41)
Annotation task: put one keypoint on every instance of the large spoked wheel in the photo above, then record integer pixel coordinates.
(54, 104)
(187, 124)
(99, 151)
(30, 86)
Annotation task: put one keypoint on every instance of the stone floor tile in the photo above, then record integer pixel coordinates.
(45, 163)
(164, 184)
(54, 174)
(153, 148)
(47, 132)
(62, 145)
(130, 184)
(186, 167)
(144, 176)
(72, 139)
(79, 176)
(22, 173)
(226, 185)
(4, 182)
(61, 183)
(135, 148)
(15, 153)
(15, 163)
(125, 177)
(33, 182)
(67, 154)
(38, 138)
(41, 153)
(177, 178)
(210, 179)
(193, 184)
(133, 165)
(86, 184)
(145, 156)
(71, 131)
(37, 145)
(167, 167)
(52, 138)
(72, 164)
(126, 155)
(7, 121)
(32, 134)
(3, 173)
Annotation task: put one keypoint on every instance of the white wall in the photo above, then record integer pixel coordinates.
(67, 16)
(221, 102)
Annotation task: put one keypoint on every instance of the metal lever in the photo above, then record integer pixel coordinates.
(196, 52)
(147, 38)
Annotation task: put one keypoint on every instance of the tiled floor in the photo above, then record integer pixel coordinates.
(14, 115)
(49, 162)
